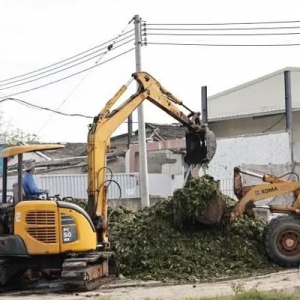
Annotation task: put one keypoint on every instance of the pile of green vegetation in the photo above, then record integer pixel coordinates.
(80, 202)
(164, 243)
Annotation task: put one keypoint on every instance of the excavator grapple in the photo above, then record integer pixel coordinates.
(200, 147)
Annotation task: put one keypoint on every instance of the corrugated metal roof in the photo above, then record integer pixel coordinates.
(250, 115)
(227, 106)
(259, 79)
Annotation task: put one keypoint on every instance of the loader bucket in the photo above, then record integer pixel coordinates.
(212, 213)
(200, 147)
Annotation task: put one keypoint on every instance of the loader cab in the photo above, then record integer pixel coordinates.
(19, 151)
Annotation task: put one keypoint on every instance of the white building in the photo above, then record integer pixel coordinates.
(250, 123)
(257, 107)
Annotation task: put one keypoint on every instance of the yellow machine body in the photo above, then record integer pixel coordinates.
(47, 228)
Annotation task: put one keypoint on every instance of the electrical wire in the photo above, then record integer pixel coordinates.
(222, 29)
(111, 46)
(44, 108)
(66, 77)
(224, 34)
(67, 68)
(226, 23)
(34, 106)
(49, 119)
(97, 52)
(221, 45)
(200, 31)
(276, 123)
(64, 60)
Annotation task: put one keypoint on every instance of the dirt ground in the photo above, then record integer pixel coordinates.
(288, 281)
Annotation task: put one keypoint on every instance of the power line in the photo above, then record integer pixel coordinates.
(223, 34)
(276, 123)
(226, 23)
(43, 108)
(221, 45)
(97, 51)
(34, 106)
(64, 69)
(74, 74)
(223, 29)
(54, 64)
(87, 74)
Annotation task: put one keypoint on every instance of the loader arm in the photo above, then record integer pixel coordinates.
(274, 187)
(200, 141)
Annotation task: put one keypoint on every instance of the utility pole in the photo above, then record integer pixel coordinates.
(288, 99)
(204, 113)
(141, 122)
(289, 109)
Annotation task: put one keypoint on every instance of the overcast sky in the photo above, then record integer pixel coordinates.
(37, 33)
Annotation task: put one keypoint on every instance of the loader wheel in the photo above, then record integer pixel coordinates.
(281, 240)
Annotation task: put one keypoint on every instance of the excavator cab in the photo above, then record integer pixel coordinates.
(7, 207)
(19, 151)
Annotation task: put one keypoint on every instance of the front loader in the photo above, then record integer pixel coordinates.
(59, 240)
(281, 236)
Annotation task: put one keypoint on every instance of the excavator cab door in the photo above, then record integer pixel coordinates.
(200, 147)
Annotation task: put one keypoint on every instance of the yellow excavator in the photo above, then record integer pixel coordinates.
(281, 237)
(59, 240)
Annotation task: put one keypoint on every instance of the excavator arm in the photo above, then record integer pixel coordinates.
(273, 187)
(200, 141)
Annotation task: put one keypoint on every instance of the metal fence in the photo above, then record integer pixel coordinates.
(75, 185)
(226, 186)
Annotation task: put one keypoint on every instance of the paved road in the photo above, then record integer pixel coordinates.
(288, 281)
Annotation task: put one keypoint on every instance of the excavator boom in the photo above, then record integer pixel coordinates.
(200, 141)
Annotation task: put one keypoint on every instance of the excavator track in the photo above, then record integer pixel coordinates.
(10, 276)
(88, 272)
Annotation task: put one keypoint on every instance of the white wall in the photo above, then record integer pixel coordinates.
(173, 168)
(296, 149)
(264, 149)
(158, 185)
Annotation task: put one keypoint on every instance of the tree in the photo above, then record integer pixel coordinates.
(10, 135)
